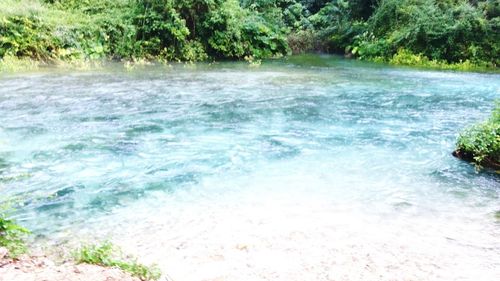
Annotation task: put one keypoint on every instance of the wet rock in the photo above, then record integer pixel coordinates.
(463, 155)
(486, 163)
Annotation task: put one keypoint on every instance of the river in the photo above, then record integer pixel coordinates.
(304, 168)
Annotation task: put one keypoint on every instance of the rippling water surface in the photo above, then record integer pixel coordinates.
(311, 168)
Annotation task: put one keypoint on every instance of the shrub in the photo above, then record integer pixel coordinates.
(335, 25)
(109, 255)
(187, 30)
(304, 41)
(438, 30)
(481, 143)
(405, 57)
(12, 236)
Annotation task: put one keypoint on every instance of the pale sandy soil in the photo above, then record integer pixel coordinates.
(41, 268)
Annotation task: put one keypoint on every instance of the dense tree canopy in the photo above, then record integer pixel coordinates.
(435, 30)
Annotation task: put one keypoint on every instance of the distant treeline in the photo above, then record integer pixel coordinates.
(402, 31)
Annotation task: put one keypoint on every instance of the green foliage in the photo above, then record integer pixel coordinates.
(481, 142)
(12, 236)
(21, 37)
(334, 24)
(10, 63)
(161, 30)
(362, 9)
(451, 34)
(303, 41)
(405, 57)
(108, 255)
(451, 31)
(182, 30)
(50, 33)
(198, 29)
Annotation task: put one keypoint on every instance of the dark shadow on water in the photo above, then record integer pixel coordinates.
(121, 147)
(73, 147)
(3, 165)
(273, 148)
(137, 130)
(107, 118)
(28, 131)
(463, 180)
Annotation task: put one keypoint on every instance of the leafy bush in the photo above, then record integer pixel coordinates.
(186, 30)
(405, 57)
(108, 255)
(304, 41)
(12, 236)
(481, 143)
(219, 29)
(336, 26)
(48, 33)
(25, 36)
(451, 31)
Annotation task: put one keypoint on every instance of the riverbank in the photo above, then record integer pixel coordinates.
(103, 261)
(17, 65)
(91, 262)
(42, 268)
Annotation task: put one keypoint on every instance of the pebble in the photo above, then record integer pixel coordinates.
(3, 252)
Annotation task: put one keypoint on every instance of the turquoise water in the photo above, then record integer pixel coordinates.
(206, 155)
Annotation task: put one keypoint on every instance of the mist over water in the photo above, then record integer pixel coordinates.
(310, 168)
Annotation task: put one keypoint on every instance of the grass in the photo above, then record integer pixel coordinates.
(20, 7)
(109, 255)
(13, 238)
(13, 64)
(12, 235)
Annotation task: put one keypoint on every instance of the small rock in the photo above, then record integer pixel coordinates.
(3, 252)
(242, 247)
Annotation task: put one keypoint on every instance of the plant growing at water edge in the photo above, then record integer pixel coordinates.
(12, 236)
(480, 143)
(405, 57)
(109, 255)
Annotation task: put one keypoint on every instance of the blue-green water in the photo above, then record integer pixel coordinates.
(206, 149)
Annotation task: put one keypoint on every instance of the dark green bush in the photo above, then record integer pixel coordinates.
(304, 41)
(80, 32)
(26, 36)
(334, 25)
(451, 31)
(481, 143)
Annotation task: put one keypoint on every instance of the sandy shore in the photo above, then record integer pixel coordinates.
(41, 268)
